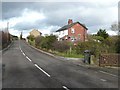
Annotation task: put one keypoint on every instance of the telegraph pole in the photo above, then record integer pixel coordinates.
(7, 31)
(21, 36)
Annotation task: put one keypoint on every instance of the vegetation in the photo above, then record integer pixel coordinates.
(102, 33)
(51, 44)
(48, 41)
(31, 37)
(97, 44)
(60, 46)
(118, 45)
(14, 37)
(116, 27)
(5, 39)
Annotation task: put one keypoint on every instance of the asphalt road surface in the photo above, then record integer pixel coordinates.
(25, 67)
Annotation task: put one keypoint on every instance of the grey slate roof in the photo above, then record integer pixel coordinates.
(69, 26)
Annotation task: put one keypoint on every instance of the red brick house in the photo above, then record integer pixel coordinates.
(72, 32)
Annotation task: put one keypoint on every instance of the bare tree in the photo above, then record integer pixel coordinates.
(115, 26)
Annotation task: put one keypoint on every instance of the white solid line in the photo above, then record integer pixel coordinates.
(108, 73)
(42, 70)
(65, 87)
(103, 80)
(28, 58)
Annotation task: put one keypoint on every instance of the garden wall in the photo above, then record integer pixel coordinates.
(109, 60)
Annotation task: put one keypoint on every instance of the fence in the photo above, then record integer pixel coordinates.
(109, 60)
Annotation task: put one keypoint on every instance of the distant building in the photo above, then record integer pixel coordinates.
(35, 33)
(72, 32)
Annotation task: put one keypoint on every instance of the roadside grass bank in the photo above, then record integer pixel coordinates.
(92, 50)
(73, 57)
(66, 54)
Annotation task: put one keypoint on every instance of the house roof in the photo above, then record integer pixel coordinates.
(35, 30)
(69, 26)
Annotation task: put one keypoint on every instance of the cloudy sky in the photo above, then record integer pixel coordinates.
(50, 16)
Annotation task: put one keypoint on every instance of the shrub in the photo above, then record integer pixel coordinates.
(60, 46)
(31, 37)
(48, 41)
(38, 40)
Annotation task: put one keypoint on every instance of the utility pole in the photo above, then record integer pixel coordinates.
(21, 36)
(7, 32)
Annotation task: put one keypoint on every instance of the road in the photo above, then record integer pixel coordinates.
(25, 67)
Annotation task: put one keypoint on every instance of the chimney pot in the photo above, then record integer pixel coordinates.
(70, 21)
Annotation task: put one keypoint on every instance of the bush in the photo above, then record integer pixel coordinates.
(48, 41)
(38, 40)
(95, 47)
(60, 46)
(31, 37)
(118, 45)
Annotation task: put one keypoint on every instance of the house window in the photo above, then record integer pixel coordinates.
(66, 38)
(72, 38)
(72, 30)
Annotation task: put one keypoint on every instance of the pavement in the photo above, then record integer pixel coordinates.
(26, 67)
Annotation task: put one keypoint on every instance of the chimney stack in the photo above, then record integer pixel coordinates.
(70, 21)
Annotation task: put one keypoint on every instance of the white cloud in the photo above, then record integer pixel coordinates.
(48, 30)
(14, 32)
(110, 32)
(95, 14)
(31, 16)
(27, 16)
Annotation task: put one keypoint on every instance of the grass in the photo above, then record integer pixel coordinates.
(70, 55)
(63, 54)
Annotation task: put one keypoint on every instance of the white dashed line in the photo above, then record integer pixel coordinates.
(42, 70)
(108, 73)
(28, 58)
(65, 88)
(103, 80)
(23, 53)
(35, 64)
(21, 50)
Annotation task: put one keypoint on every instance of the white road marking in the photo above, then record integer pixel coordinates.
(108, 73)
(103, 80)
(65, 87)
(42, 70)
(23, 53)
(21, 49)
(28, 58)
(35, 64)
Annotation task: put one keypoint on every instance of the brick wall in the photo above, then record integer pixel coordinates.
(79, 30)
(109, 60)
